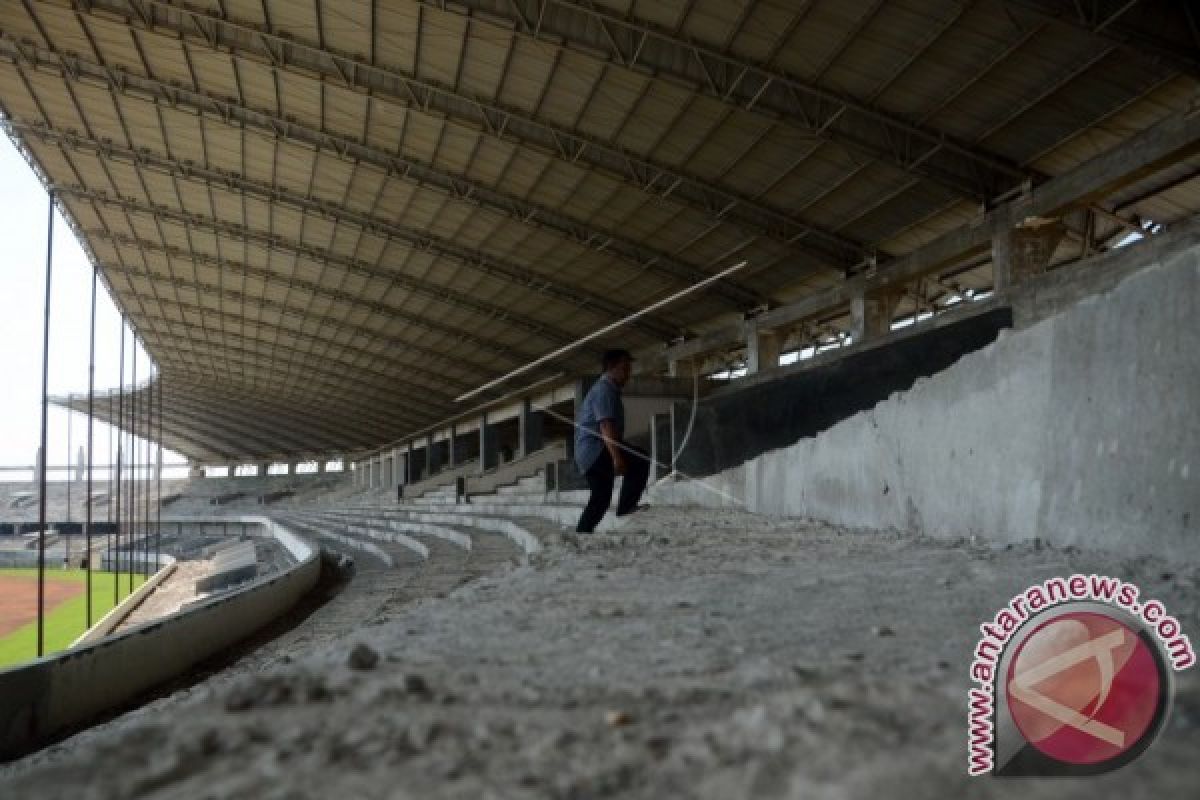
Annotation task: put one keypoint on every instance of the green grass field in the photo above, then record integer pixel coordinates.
(65, 623)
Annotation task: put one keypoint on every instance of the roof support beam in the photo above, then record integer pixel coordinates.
(1168, 142)
(421, 241)
(318, 396)
(643, 47)
(1107, 19)
(507, 353)
(400, 345)
(359, 384)
(368, 427)
(454, 185)
(259, 438)
(300, 413)
(296, 436)
(235, 231)
(255, 42)
(106, 410)
(199, 431)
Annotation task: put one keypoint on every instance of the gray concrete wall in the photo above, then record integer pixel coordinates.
(1080, 429)
(54, 694)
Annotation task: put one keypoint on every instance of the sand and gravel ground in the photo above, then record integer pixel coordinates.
(691, 654)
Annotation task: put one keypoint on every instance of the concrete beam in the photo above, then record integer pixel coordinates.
(871, 314)
(1171, 140)
(763, 349)
(1023, 252)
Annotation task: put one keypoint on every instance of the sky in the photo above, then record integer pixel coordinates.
(23, 211)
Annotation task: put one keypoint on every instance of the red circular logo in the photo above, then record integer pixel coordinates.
(1084, 688)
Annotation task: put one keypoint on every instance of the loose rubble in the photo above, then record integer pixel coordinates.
(690, 654)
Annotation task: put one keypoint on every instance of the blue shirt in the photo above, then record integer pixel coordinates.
(603, 401)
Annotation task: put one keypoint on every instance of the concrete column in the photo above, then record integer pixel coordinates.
(1023, 252)
(681, 368)
(489, 451)
(263, 469)
(660, 445)
(195, 471)
(399, 478)
(871, 313)
(452, 448)
(411, 474)
(431, 462)
(321, 462)
(762, 350)
(292, 468)
(531, 425)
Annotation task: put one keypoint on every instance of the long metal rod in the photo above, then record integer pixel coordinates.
(148, 434)
(87, 532)
(41, 582)
(108, 538)
(115, 562)
(158, 524)
(605, 330)
(133, 461)
(70, 459)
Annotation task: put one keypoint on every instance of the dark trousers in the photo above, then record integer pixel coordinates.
(600, 478)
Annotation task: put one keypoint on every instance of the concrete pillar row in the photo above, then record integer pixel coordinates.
(681, 367)
(489, 450)
(1025, 251)
(399, 469)
(763, 349)
(531, 424)
(872, 312)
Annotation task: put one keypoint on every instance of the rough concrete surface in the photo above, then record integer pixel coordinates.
(709, 654)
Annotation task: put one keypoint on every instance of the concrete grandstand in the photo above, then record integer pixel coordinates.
(959, 362)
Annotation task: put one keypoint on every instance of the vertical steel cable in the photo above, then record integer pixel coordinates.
(115, 562)
(41, 581)
(133, 458)
(87, 533)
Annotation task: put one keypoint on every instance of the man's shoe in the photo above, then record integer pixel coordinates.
(642, 507)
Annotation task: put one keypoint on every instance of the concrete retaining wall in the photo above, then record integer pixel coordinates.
(56, 694)
(1080, 429)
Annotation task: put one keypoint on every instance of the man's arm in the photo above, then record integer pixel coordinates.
(608, 432)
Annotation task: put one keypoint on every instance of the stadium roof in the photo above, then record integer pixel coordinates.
(325, 220)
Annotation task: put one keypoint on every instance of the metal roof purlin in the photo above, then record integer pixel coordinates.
(292, 53)
(418, 240)
(636, 44)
